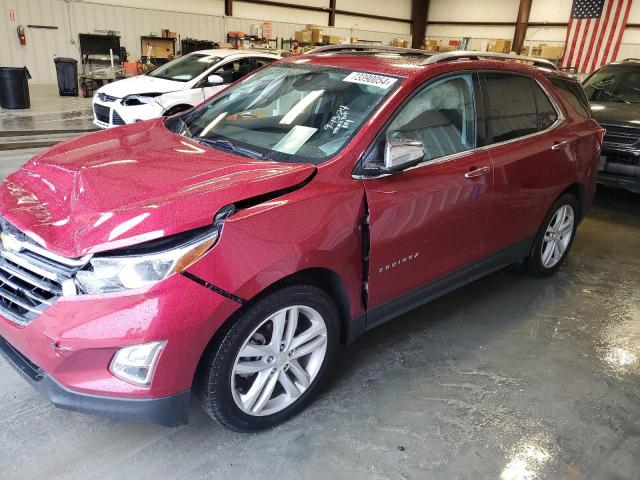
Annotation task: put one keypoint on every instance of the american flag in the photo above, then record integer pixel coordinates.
(594, 33)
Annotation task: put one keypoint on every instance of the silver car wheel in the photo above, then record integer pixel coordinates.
(279, 360)
(558, 236)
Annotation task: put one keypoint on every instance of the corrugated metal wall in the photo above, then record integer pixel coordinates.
(72, 18)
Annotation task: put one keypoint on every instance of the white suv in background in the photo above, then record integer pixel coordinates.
(176, 86)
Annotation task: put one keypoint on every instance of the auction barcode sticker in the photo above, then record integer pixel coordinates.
(370, 79)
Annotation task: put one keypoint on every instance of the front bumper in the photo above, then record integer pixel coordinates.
(171, 411)
(114, 114)
(66, 351)
(620, 168)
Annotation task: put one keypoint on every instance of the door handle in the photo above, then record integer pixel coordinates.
(558, 145)
(477, 172)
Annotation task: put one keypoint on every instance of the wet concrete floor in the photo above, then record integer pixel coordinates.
(49, 111)
(508, 378)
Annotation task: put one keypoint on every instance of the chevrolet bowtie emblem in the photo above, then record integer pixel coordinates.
(10, 242)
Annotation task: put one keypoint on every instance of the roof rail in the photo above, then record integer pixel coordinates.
(447, 56)
(631, 60)
(372, 48)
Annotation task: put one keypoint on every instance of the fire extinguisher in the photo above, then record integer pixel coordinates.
(21, 36)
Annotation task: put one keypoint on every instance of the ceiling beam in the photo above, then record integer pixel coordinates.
(472, 24)
(522, 25)
(332, 13)
(330, 10)
(271, 3)
(419, 12)
(375, 17)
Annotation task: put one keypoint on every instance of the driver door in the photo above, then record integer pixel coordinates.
(230, 72)
(428, 221)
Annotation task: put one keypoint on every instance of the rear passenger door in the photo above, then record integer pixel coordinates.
(230, 72)
(530, 147)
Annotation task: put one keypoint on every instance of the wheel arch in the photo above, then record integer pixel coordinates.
(580, 193)
(323, 278)
(178, 107)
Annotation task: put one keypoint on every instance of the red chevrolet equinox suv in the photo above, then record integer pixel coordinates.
(229, 250)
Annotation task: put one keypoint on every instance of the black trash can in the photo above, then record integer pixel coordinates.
(67, 72)
(14, 88)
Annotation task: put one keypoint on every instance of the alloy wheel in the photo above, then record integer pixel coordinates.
(279, 360)
(557, 236)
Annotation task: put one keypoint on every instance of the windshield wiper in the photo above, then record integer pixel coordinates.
(612, 95)
(227, 145)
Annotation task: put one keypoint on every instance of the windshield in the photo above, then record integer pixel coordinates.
(185, 68)
(287, 113)
(614, 84)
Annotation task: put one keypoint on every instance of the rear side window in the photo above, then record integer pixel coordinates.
(261, 62)
(510, 107)
(574, 95)
(547, 114)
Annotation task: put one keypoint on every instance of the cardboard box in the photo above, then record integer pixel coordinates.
(525, 51)
(397, 42)
(331, 39)
(551, 53)
(536, 51)
(303, 36)
(267, 30)
(316, 35)
(503, 46)
(310, 26)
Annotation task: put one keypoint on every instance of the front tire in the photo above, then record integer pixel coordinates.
(272, 361)
(554, 238)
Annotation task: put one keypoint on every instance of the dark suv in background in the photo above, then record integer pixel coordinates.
(614, 93)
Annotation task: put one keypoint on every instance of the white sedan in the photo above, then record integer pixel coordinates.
(174, 87)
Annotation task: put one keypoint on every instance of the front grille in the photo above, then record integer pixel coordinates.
(621, 136)
(117, 119)
(623, 140)
(31, 277)
(102, 113)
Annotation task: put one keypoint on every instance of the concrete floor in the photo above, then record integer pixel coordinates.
(509, 378)
(48, 111)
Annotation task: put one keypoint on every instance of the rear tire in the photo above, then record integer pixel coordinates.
(554, 238)
(272, 360)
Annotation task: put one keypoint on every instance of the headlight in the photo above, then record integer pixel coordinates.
(141, 99)
(112, 273)
(135, 364)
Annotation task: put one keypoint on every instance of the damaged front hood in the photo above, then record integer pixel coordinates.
(140, 85)
(124, 186)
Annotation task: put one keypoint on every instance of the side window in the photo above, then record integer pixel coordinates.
(547, 114)
(573, 93)
(232, 71)
(510, 107)
(261, 62)
(441, 116)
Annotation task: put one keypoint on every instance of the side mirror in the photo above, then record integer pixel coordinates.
(213, 80)
(401, 153)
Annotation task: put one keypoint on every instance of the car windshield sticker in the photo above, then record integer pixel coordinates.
(379, 81)
(293, 140)
(339, 120)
